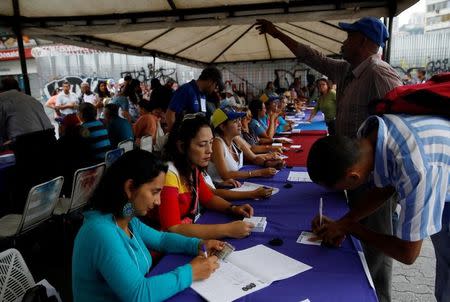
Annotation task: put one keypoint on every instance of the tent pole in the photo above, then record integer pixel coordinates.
(23, 61)
(389, 45)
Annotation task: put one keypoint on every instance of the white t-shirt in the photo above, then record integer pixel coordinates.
(230, 163)
(64, 99)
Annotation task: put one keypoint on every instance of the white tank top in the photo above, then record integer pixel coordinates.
(230, 163)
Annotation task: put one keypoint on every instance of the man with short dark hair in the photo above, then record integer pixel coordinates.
(27, 130)
(191, 97)
(98, 135)
(409, 155)
(19, 113)
(67, 101)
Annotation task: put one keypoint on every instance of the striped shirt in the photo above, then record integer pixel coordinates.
(373, 78)
(413, 155)
(98, 138)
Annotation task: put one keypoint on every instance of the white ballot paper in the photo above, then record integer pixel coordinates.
(299, 176)
(296, 130)
(283, 140)
(260, 223)
(305, 237)
(247, 271)
(249, 186)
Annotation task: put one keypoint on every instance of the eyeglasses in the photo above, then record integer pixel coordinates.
(191, 116)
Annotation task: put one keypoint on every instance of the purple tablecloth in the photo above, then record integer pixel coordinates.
(336, 274)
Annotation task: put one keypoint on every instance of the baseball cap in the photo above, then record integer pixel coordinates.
(370, 27)
(221, 115)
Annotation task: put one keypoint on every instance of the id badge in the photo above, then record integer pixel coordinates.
(203, 105)
(197, 216)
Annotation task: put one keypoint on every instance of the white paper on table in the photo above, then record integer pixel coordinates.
(299, 176)
(306, 300)
(304, 122)
(285, 132)
(250, 186)
(277, 145)
(296, 146)
(305, 237)
(283, 140)
(282, 156)
(259, 265)
(296, 130)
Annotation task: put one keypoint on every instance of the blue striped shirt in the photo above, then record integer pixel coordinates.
(98, 138)
(413, 155)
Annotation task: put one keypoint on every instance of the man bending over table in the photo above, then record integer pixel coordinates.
(399, 154)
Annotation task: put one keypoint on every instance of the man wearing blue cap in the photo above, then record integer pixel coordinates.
(360, 77)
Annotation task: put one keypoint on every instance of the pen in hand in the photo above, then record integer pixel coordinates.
(204, 251)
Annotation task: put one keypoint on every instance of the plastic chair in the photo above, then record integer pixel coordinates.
(126, 145)
(147, 143)
(40, 204)
(85, 181)
(112, 155)
(15, 277)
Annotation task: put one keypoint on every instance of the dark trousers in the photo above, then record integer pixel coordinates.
(34, 154)
(380, 265)
(331, 127)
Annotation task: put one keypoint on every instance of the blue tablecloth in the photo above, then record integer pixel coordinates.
(317, 123)
(336, 274)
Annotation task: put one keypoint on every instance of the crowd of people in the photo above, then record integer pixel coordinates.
(203, 133)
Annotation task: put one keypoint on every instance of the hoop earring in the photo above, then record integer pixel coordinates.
(128, 210)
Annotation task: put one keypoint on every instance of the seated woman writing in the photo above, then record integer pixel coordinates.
(111, 257)
(185, 191)
(229, 150)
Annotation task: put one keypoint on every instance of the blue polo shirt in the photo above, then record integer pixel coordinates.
(187, 99)
(413, 155)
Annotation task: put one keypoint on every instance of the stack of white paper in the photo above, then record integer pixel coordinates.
(247, 271)
(260, 223)
(249, 186)
(299, 177)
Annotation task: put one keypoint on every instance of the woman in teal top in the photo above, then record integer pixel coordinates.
(111, 257)
(327, 104)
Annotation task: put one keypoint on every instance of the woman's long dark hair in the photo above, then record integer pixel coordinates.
(101, 94)
(183, 132)
(138, 165)
(255, 106)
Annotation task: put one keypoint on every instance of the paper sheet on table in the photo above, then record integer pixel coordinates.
(299, 176)
(250, 186)
(283, 156)
(284, 140)
(258, 222)
(296, 130)
(305, 237)
(296, 146)
(257, 266)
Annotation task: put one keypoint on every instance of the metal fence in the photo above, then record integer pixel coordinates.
(430, 51)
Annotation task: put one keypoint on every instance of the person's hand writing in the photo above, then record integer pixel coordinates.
(268, 172)
(203, 267)
(211, 246)
(262, 192)
(239, 229)
(331, 232)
